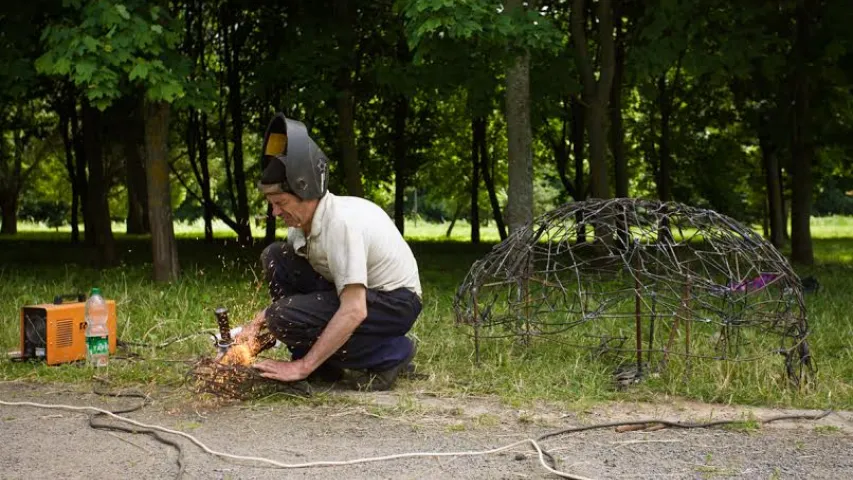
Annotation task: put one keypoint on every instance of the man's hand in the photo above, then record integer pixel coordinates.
(251, 330)
(282, 371)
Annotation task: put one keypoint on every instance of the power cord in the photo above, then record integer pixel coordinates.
(542, 454)
(325, 463)
(667, 423)
(98, 425)
(166, 343)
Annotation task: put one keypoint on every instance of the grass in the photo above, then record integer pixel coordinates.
(38, 264)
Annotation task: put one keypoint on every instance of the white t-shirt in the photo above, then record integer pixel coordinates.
(353, 241)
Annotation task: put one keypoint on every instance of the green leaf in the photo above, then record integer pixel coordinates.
(62, 66)
(90, 43)
(140, 70)
(45, 64)
(157, 29)
(83, 71)
(122, 10)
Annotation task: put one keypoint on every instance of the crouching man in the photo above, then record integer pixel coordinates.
(345, 286)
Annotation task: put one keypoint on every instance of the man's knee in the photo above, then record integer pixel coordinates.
(274, 254)
(282, 320)
(301, 316)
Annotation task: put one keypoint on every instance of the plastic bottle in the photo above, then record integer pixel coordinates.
(97, 331)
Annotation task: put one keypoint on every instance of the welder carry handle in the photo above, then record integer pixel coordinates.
(77, 297)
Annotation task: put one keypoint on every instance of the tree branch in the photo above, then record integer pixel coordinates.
(216, 209)
(561, 156)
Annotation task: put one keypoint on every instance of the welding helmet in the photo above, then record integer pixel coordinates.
(292, 162)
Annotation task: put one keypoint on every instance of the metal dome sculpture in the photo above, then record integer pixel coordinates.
(644, 280)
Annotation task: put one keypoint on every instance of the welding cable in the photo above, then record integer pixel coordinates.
(533, 442)
(667, 423)
(325, 463)
(97, 425)
(166, 343)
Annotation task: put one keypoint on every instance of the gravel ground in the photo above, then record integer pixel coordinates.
(58, 444)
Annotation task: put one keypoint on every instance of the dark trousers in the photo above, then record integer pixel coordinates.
(304, 302)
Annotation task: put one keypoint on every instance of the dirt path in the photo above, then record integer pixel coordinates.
(58, 444)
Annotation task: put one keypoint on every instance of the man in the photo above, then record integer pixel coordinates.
(345, 287)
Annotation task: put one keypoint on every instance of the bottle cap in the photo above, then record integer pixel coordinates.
(96, 291)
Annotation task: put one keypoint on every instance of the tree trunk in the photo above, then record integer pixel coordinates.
(346, 16)
(617, 132)
(665, 160)
(561, 153)
(65, 126)
(519, 210)
(10, 185)
(235, 106)
(269, 232)
(475, 187)
(137, 189)
(577, 138)
(578, 129)
(201, 129)
(399, 197)
(164, 246)
(9, 207)
(197, 153)
(225, 28)
(456, 213)
(480, 134)
(80, 176)
(346, 141)
(596, 91)
(802, 146)
(597, 129)
(401, 167)
(774, 190)
(785, 204)
(101, 237)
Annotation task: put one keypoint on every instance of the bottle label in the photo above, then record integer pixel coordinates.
(98, 349)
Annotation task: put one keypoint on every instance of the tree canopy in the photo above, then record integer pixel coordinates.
(489, 111)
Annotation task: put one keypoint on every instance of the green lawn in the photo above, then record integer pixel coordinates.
(38, 263)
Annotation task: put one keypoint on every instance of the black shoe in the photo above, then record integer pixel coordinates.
(381, 380)
(326, 374)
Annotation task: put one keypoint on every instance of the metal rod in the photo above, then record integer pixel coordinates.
(639, 328)
(688, 320)
(224, 326)
(476, 322)
(652, 326)
(669, 341)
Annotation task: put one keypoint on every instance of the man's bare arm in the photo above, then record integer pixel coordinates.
(251, 329)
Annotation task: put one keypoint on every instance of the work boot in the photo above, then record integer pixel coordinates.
(381, 380)
(326, 373)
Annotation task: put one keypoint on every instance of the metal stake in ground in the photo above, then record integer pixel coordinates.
(225, 341)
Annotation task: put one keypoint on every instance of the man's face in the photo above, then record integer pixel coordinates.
(289, 208)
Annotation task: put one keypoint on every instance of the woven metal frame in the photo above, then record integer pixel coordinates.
(644, 280)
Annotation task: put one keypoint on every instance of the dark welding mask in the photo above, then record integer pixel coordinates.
(292, 162)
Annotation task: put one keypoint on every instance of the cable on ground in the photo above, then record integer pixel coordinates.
(542, 454)
(684, 425)
(325, 463)
(99, 425)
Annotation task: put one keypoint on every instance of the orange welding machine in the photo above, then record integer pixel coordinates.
(56, 332)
